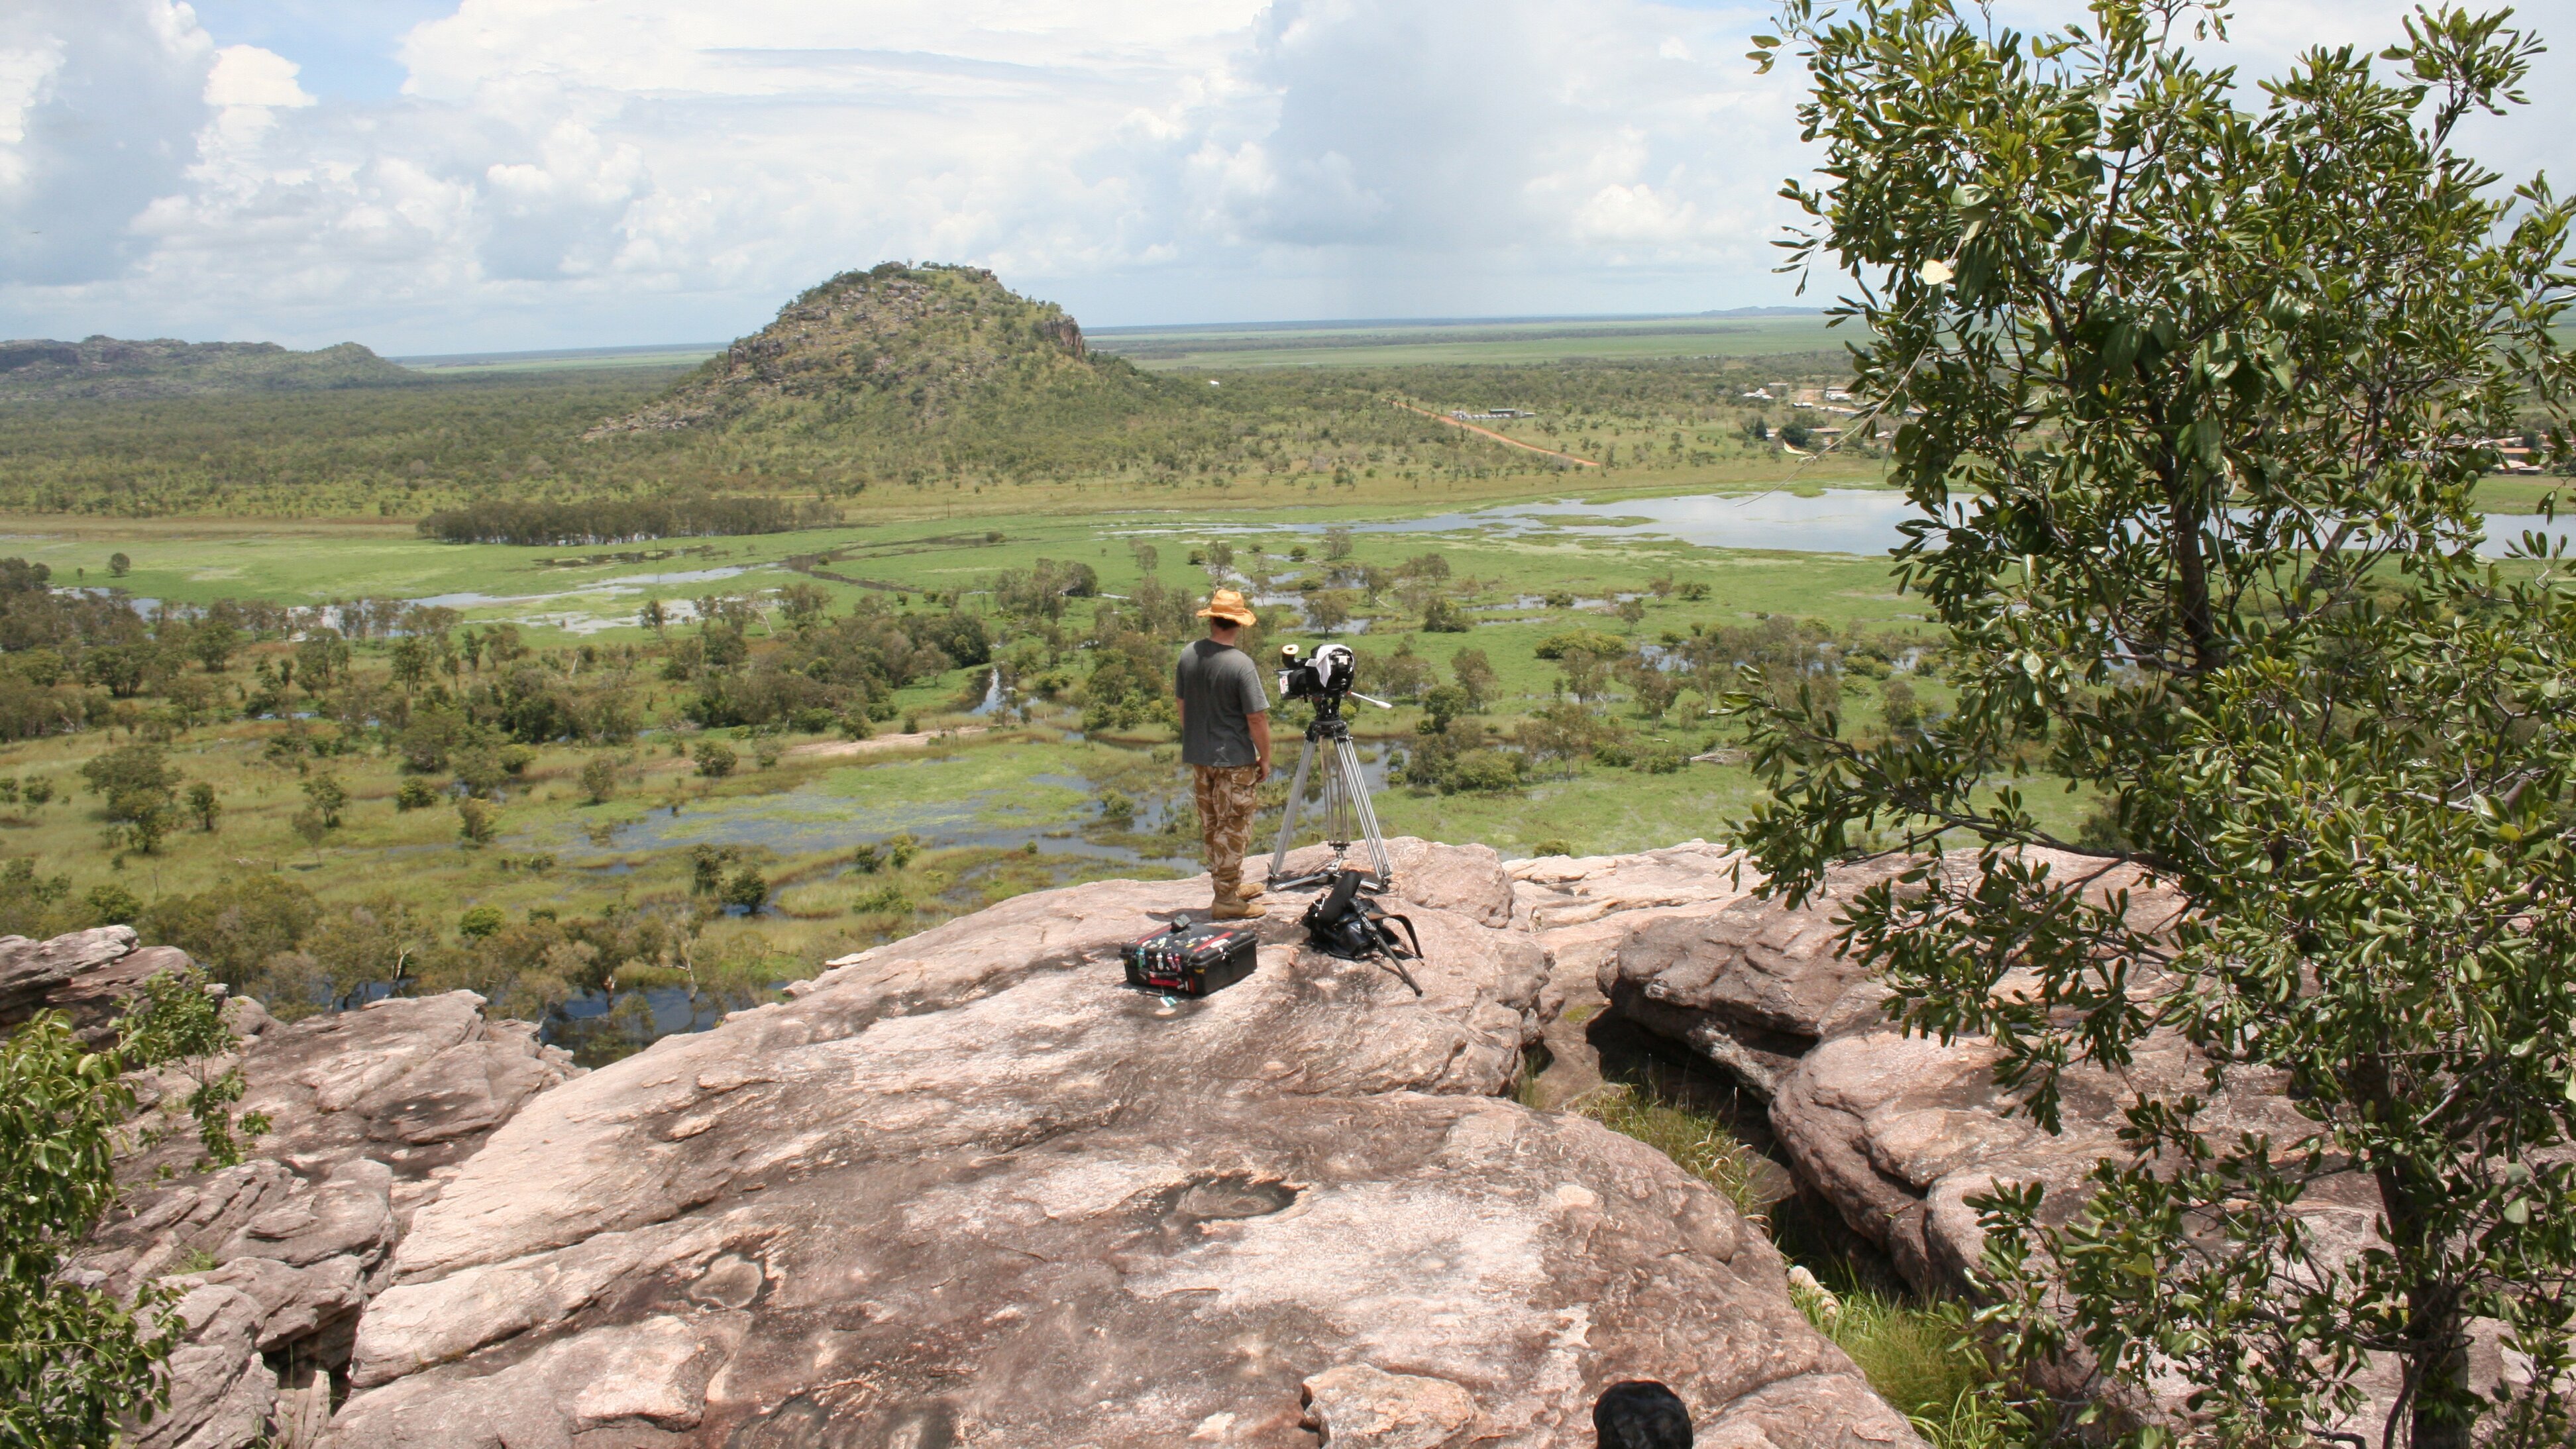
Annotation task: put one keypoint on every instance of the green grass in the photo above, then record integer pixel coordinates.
(1914, 1355)
(1696, 1141)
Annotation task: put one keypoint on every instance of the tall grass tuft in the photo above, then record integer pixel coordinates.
(1921, 1359)
(1695, 1139)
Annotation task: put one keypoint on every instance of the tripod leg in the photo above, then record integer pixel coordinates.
(1349, 757)
(1288, 817)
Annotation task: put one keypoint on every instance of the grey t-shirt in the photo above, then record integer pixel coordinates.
(1220, 692)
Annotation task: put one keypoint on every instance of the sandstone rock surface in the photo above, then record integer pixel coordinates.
(278, 1256)
(968, 1188)
(32, 971)
(1581, 908)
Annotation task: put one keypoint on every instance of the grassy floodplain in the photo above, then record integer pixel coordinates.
(1510, 341)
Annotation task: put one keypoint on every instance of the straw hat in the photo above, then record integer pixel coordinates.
(1229, 606)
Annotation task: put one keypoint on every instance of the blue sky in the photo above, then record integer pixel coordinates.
(454, 175)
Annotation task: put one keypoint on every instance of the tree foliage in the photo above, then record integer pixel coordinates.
(2194, 394)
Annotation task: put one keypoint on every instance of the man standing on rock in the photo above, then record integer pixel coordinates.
(1225, 740)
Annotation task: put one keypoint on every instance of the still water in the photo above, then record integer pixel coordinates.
(1836, 520)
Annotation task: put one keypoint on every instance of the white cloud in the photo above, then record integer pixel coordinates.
(559, 172)
(245, 75)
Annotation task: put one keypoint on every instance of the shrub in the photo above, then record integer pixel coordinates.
(715, 758)
(480, 921)
(598, 779)
(477, 821)
(415, 794)
(1590, 641)
(887, 899)
(1443, 616)
(113, 905)
(748, 889)
(1483, 770)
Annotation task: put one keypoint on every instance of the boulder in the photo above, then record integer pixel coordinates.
(1748, 983)
(1002, 1027)
(1553, 891)
(1581, 908)
(31, 971)
(970, 1188)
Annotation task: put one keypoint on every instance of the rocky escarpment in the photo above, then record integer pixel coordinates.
(968, 1188)
(107, 367)
(895, 347)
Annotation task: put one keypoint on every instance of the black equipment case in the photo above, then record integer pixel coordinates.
(1190, 960)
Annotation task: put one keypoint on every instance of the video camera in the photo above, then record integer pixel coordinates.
(1323, 677)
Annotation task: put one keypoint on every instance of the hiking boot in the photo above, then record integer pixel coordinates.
(1251, 890)
(1235, 908)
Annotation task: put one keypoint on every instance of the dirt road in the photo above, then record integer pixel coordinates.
(1499, 438)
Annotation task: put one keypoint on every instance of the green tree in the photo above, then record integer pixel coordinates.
(203, 807)
(715, 758)
(113, 905)
(329, 798)
(212, 644)
(2193, 396)
(1475, 674)
(598, 779)
(747, 888)
(1443, 704)
(118, 565)
(411, 659)
(138, 784)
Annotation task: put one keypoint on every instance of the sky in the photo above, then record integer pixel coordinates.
(430, 176)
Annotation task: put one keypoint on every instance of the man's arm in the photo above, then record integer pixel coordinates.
(1261, 741)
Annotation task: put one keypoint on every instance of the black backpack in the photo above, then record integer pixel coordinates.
(1344, 923)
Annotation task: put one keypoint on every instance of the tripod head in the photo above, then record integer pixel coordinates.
(1323, 679)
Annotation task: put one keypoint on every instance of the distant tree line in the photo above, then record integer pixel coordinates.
(625, 520)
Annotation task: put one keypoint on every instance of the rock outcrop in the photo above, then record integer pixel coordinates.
(894, 351)
(87, 975)
(969, 1188)
(1582, 907)
(1894, 1133)
(108, 367)
(277, 1257)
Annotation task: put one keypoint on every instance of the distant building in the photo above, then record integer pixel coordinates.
(1491, 415)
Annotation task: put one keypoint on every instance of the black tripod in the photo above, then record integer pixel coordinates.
(1346, 803)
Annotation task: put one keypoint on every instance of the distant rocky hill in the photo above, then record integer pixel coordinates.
(898, 348)
(106, 367)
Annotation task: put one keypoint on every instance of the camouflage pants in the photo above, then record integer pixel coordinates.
(1226, 797)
